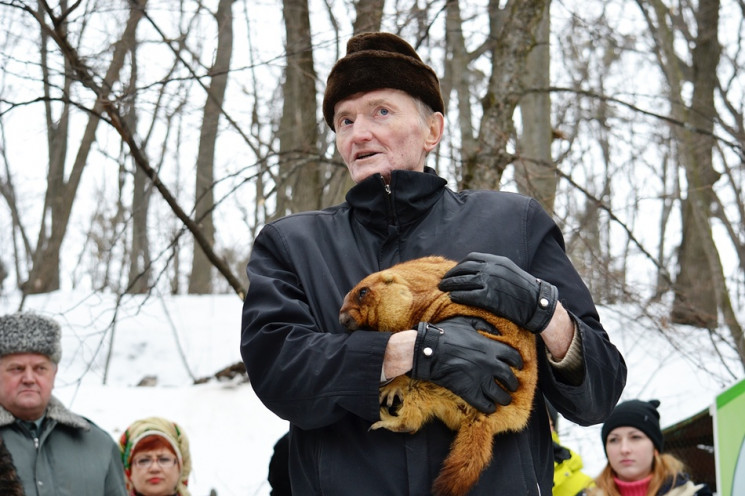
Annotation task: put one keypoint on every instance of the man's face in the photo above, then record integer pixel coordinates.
(26, 382)
(383, 130)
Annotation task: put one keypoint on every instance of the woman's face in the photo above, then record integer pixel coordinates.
(630, 453)
(155, 472)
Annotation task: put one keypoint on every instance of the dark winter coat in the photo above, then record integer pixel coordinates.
(70, 456)
(307, 369)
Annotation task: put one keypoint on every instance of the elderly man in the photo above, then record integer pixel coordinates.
(385, 106)
(55, 451)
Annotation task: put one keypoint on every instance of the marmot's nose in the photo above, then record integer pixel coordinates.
(347, 321)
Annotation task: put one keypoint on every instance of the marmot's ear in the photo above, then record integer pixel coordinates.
(388, 277)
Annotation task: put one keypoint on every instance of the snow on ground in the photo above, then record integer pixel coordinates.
(174, 340)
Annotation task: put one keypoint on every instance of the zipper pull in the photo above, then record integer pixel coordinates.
(388, 188)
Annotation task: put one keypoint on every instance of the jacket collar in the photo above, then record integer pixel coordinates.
(55, 411)
(409, 195)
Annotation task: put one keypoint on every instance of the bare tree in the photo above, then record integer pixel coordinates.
(701, 290)
(535, 171)
(300, 172)
(138, 280)
(513, 33)
(61, 190)
(200, 279)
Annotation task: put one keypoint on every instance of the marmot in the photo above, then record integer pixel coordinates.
(398, 299)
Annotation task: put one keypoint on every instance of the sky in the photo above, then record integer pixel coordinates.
(174, 339)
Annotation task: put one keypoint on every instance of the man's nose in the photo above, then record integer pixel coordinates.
(28, 375)
(361, 129)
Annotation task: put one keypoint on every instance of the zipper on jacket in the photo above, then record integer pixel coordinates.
(389, 203)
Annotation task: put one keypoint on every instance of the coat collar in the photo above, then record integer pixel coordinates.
(55, 411)
(409, 195)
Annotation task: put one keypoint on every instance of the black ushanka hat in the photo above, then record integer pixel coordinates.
(380, 60)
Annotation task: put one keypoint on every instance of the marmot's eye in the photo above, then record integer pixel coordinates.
(362, 293)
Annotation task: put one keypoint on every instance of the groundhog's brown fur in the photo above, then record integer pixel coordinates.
(398, 299)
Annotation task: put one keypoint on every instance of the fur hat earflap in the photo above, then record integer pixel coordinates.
(380, 60)
(26, 332)
(642, 415)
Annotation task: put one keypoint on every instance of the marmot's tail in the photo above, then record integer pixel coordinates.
(469, 455)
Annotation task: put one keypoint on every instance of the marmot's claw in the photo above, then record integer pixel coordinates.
(391, 401)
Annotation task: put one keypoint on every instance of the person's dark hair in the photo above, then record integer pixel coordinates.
(150, 443)
(279, 469)
(10, 484)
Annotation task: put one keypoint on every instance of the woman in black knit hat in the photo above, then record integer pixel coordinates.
(636, 466)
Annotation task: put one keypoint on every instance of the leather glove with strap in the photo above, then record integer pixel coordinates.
(453, 355)
(496, 284)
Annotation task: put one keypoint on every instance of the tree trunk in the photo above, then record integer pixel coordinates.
(301, 181)
(457, 77)
(534, 170)
(513, 32)
(138, 280)
(698, 287)
(369, 16)
(200, 279)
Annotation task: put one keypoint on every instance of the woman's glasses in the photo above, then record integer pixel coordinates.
(146, 461)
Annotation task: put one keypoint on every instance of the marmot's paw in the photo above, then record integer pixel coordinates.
(391, 400)
(394, 424)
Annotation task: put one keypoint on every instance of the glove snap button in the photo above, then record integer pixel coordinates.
(544, 302)
(427, 351)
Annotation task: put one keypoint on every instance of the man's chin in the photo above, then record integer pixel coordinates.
(360, 172)
(30, 403)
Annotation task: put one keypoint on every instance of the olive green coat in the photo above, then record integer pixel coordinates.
(70, 456)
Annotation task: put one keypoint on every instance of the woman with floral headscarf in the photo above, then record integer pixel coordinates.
(155, 453)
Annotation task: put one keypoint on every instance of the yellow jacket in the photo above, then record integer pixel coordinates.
(569, 479)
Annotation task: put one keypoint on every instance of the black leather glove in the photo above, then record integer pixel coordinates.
(561, 454)
(497, 284)
(453, 355)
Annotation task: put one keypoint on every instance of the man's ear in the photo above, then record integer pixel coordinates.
(436, 126)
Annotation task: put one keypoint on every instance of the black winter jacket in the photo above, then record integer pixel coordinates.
(307, 369)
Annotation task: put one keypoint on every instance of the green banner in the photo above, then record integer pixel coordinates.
(729, 440)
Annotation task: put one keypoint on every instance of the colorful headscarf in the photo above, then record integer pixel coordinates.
(171, 432)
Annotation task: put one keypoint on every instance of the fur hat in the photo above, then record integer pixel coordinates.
(171, 432)
(642, 415)
(30, 333)
(380, 60)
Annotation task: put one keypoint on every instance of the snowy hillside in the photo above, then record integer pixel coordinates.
(167, 342)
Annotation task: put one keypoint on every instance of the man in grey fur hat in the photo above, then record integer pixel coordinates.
(55, 451)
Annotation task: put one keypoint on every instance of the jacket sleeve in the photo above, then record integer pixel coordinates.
(604, 374)
(305, 374)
